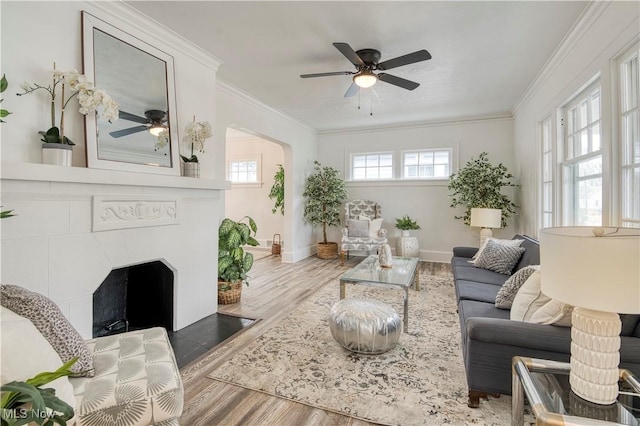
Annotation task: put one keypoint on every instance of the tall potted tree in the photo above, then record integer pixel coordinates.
(479, 184)
(233, 262)
(324, 193)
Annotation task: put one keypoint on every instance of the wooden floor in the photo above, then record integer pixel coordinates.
(275, 290)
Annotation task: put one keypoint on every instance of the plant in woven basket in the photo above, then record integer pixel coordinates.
(478, 184)
(233, 262)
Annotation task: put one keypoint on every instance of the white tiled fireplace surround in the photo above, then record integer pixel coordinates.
(74, 225)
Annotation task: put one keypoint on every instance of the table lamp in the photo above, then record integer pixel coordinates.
(486, 219)
(597, 270)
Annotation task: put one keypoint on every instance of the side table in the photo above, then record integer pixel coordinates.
(546, 386)
(407, 247)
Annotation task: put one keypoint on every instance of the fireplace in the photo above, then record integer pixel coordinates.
(134, 297)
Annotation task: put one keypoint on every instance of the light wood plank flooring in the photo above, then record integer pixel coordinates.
(275, 290)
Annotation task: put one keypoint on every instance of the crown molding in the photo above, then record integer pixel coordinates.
(138, 24)
(588, 17)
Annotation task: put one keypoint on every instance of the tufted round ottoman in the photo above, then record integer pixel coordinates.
(365, 326)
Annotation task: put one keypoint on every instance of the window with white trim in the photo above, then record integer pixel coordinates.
(630, 138)
(243, 171)
(426, 164)
(546, 145)
(372, 166)
(582, 159)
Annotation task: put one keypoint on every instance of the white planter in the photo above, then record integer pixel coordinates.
(191, 169)
(57, 154)
(407, 246)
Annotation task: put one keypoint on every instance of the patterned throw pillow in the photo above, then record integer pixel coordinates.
(512, 243)
(51, 323)
(506, 294)
(499, 258)
(358, 228)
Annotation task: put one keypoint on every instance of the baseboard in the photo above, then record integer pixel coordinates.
(436, 256)
(293, 257)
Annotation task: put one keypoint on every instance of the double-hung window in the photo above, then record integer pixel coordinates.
(546, 144)
(372, 166)
(582, 159)
(243, 171)
(630, 138)
(426, 164)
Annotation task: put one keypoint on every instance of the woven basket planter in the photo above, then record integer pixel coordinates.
(232, 295)
(328, 250)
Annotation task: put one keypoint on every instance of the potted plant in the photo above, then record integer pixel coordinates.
(233, 262)
(277, 190)
(56, 146)
(3, 86)
(406, 224)
(197, 132)
(324, 192)
(406, 245)
(479, 184)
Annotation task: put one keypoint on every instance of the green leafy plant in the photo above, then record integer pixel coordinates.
(3, 86)
(405, 223)
(277, 190)
(324, 192)
(479, 184)
(6, 213)
(233, 262)
(26, 402)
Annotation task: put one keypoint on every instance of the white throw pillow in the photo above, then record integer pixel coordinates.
(528, 299)
(24, 353)
(553, 312)
(374, 228)
(510, 243)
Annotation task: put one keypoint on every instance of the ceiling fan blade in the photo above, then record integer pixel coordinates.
(349, 53)
(326, 74)
(410, 58)
(397, 81)
(130, 117)
(129, 131)
(352, 90)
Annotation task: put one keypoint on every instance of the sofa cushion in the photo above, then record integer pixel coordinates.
(531, 255)
(49, 321)
(471, 273)
(630, 325)
(358, 228)
(553, 312)
(508, 291)
(514, 242)
(529, 299)
(471, 290)
(474, 308)
(499, 257)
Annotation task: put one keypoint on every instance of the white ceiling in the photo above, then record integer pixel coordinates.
(485, 54)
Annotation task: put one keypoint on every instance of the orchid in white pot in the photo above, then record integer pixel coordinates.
(197, 133)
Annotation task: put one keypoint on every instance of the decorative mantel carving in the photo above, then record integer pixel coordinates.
(122, 212)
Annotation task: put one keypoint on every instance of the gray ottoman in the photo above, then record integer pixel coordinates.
(365, 326)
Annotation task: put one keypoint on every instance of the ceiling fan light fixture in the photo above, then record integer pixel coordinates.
(365, 79)
(156, 129)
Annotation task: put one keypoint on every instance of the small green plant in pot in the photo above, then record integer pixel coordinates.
(406, 224)
(233, 261)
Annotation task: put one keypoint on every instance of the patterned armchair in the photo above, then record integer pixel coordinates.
(362, 210)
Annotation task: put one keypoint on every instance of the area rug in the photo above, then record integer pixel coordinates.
(420, 381)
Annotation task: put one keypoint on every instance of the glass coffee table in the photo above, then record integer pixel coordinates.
(403, 273)
(546, 386)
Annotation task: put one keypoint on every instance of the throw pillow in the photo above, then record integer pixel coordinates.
(553, 312)
(512, 243)
(358, 228)
(374, 228)
(499, 258)
(26, 353)
(49, 320)
(528, 299)
(506, 294)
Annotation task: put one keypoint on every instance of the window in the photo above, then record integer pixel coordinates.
(630, 139)
(582, 161)
(243, 171)
(547, 173)
(372, 166)
(426, 164)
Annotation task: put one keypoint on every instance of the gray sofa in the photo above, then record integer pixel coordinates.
(490, 339)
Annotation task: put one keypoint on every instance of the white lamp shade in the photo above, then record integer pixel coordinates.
(599, 273)
(486, 218)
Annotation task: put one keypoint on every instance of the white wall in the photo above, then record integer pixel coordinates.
(606, 30)
(240, 111)
(253, 199)
(427, 202)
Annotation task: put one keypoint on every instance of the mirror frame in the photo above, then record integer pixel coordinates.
(89, 23)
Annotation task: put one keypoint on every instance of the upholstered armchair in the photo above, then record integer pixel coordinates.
(363, 231)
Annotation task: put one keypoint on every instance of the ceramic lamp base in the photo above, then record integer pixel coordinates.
(595, 355)
(484, 234)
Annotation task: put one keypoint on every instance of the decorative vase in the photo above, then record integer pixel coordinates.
(384, 256)
(191, 169)
(57, 154)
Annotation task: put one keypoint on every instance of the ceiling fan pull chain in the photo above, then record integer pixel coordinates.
(371, 106)
(358, 99)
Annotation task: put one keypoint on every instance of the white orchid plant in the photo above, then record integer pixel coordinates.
(197, 132)
(90, 98)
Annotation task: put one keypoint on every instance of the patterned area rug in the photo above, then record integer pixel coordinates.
(420, 381)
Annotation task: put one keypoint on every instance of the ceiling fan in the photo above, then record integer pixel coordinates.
(155, 122)
(366, 62)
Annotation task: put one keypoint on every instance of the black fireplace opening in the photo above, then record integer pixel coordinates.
(132, 298)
